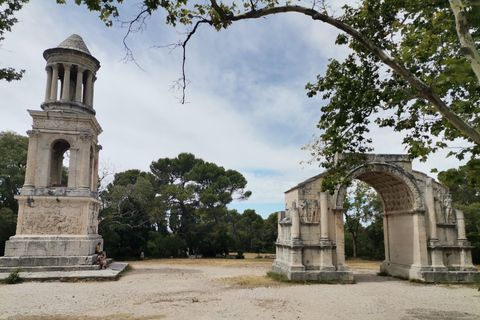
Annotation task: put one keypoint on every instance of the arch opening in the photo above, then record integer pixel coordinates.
(59, 161)
(403, 243)
(363, 222)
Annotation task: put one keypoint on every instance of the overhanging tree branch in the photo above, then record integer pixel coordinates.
(425, 90)
(466, 40)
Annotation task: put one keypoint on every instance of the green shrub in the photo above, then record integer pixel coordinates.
(280, 277)
(13, 277)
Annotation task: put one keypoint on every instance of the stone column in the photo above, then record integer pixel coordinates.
(88, 94)
(419, 239)
(436, 251)
(49, 83)
(461, 225)
(296, 264)
(279, 226)
(295, 222)
(54, 86)
(84, 162)
(340, 239)
(323, 216)
(72, 168)
(94, 173)
(386, 236)
(430, 202)
(93, 91)
(43, 157)
(66, 82)
(31, 158)
(79, 85)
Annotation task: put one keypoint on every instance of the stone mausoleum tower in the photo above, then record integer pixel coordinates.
(58, 213)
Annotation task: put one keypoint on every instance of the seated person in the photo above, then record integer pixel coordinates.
(97, 248)
(102, 261)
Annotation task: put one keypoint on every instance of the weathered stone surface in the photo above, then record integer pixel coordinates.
(424, 233)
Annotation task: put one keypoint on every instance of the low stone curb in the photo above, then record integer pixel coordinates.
(111, 273)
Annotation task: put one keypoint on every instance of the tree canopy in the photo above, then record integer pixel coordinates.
(7, 20)
(414, 67)
(13, 160)
(180, 206)
(193, 191)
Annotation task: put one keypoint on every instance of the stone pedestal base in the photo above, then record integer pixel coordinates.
(48, 264)
(51, 246)
(429, 273)
(295, 274)
(50, 253)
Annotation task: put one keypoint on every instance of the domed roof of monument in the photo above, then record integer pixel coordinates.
(74, 42)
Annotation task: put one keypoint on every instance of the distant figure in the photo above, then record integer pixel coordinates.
(102, 261)
(196, 253)
(97, 248)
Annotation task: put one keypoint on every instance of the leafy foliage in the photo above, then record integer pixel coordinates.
(420, 36)
(178, 208)
(13, 160)
(129, 214)
(195, 193)
(7, 20)
(464, 185)
(13, 277)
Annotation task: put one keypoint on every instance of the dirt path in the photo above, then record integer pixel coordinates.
(225, 290)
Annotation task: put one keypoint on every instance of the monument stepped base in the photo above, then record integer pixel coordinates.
(451, 276)
(32, 261)
(69, 273)
(429, 274)
(312, 275)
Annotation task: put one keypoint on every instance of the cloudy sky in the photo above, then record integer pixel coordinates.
(247, 108)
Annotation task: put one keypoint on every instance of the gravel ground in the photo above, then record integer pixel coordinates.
(198, 291)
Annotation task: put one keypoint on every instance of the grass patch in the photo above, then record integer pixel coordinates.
(13, 277)
(280, 277)
(357, 263)
(207, 262)
(254, 281)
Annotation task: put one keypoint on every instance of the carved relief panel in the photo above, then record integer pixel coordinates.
(309, 211)
(49, 218)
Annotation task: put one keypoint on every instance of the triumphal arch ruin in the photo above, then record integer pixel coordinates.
(424, 233)
(57, 227)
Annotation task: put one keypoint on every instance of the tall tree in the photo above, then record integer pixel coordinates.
(195, 194)
(13, 161)
(251, 231)
(128, 214)
(414, 67)
(464, 182)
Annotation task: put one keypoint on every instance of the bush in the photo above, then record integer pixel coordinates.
(14, 277)
(240, 255)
